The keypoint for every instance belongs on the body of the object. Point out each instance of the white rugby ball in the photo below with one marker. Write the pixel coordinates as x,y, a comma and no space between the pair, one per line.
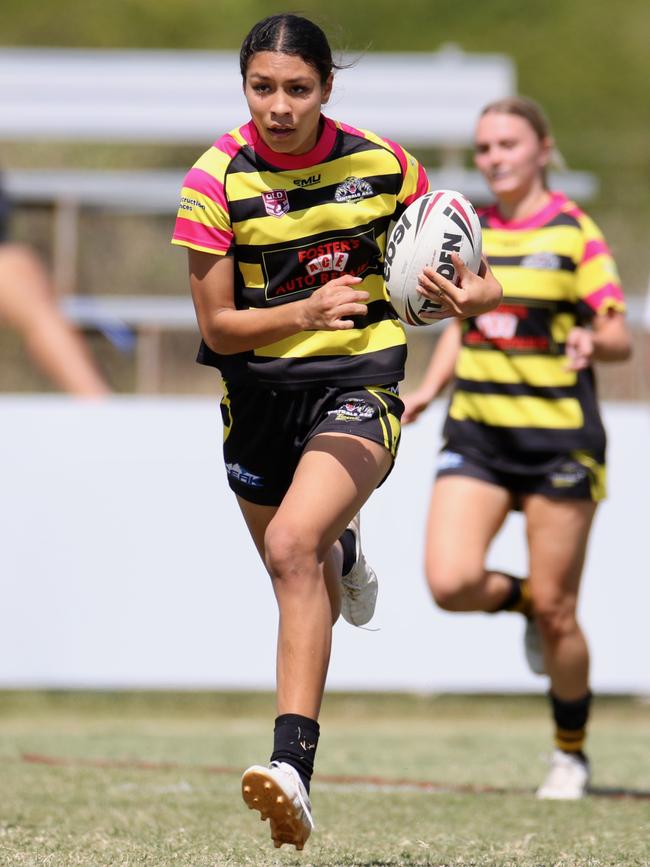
433,227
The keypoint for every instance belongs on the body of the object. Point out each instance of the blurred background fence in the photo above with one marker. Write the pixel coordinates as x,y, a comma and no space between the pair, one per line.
96,133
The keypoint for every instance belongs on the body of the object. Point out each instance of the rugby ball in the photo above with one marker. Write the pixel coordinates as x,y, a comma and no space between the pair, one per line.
433,227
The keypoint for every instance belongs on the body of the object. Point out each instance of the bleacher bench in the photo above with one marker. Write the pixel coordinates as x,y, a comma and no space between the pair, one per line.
422,100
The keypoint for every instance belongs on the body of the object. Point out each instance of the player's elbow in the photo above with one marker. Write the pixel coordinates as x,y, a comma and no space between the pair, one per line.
627,347
619,349
216,334
613,340
220,345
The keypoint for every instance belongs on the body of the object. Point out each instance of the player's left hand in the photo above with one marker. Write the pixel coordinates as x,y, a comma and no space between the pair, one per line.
475,293
579,348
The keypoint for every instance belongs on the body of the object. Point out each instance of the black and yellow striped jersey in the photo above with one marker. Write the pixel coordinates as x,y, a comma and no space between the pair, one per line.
292,223
513,392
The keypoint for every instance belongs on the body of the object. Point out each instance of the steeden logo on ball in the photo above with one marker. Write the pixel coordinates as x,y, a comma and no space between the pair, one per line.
433,227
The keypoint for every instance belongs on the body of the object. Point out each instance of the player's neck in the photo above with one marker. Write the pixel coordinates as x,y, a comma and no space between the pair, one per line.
520,208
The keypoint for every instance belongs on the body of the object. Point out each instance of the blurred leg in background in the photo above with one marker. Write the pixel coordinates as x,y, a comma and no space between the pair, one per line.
28,305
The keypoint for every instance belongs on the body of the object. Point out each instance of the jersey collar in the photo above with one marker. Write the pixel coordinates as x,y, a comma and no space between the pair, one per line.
550,210
317,154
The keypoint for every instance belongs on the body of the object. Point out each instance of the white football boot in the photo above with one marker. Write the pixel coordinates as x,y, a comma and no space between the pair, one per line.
359,586
567,779
279,795
533,647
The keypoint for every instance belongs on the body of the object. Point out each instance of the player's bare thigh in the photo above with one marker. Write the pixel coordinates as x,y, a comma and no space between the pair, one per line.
334,478
464,516
558,533
257,519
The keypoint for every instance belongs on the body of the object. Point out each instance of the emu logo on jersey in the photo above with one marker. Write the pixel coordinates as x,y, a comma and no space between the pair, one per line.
276,202
307,182
353,190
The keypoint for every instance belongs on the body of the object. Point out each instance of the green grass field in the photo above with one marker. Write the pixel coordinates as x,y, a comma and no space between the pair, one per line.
153,778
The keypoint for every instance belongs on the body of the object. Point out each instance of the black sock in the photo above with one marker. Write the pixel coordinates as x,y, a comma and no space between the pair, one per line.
348,544
571,723
518,597
295,739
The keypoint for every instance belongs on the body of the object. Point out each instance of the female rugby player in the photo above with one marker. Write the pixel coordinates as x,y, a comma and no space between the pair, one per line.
523,430
285,219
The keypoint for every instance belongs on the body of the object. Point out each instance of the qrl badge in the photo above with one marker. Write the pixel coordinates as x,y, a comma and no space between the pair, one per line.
276,202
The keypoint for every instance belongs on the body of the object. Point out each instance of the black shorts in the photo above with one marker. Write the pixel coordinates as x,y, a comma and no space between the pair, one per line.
574,476
266,430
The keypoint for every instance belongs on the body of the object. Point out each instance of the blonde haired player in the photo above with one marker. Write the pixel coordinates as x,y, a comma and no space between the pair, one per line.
523,430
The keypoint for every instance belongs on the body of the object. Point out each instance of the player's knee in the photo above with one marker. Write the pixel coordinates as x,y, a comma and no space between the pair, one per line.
556,616
450,586
285,553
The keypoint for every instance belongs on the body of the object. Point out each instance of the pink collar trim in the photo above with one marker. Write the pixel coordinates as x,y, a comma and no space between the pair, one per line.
317,154
496,221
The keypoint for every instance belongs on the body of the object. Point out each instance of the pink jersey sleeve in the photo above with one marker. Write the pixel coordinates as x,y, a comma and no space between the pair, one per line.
203,219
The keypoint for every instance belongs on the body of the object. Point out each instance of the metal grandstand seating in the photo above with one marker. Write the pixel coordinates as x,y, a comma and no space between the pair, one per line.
423,100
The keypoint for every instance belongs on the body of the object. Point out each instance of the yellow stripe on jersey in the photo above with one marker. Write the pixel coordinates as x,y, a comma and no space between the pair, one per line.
352,341
562,240
194,246
595,273
561,324
306,222
214,162
517,411
495,366
252,274
204,210
242,185
537,286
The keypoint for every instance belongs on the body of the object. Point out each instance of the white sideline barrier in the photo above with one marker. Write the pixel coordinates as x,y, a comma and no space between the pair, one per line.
125,563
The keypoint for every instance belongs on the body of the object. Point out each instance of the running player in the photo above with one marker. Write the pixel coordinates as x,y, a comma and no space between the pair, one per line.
285,219
523,430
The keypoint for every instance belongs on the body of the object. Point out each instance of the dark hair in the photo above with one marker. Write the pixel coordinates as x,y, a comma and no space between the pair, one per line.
289,34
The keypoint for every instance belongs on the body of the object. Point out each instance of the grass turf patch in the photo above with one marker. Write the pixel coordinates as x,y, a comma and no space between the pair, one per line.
180,809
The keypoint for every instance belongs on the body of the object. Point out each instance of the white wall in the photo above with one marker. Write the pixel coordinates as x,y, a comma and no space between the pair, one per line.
124,562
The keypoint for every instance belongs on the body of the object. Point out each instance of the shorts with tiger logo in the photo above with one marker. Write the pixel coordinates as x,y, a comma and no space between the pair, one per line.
266,430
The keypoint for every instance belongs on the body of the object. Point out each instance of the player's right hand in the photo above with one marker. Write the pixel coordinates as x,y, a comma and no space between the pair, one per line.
332,306
414,404
475,293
